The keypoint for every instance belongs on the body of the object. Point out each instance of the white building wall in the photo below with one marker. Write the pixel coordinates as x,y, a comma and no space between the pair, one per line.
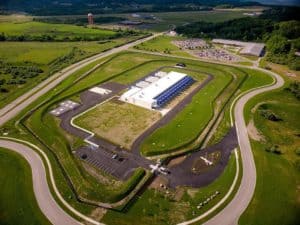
144,97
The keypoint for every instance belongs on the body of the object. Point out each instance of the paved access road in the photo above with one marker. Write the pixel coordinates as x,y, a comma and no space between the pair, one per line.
232,212
55,214
12,109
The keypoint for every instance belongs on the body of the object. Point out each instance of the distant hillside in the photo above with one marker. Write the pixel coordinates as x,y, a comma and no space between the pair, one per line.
279,2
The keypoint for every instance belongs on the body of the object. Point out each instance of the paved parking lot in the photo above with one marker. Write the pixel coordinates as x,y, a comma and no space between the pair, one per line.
120,167
64,107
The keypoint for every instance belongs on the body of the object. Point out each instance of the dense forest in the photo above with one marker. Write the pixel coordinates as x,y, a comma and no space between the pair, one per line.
72,7
278,27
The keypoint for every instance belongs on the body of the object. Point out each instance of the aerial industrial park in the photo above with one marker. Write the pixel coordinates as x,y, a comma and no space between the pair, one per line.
130,113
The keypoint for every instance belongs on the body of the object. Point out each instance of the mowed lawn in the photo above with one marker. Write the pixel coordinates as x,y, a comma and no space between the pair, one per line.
18,205
163,44
118,122
59,30
277,195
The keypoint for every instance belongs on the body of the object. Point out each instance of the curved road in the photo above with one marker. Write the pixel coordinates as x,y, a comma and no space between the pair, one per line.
232,212
46,202
228,216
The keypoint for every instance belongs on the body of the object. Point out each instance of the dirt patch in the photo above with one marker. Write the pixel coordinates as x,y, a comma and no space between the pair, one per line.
176,161
178,194
192,192
98,213
158,183
205,162
254,133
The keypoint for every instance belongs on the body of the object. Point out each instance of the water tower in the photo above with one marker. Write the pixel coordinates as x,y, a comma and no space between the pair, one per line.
90,19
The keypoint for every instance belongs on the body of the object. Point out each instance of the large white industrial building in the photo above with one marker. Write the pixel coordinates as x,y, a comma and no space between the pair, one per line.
155,91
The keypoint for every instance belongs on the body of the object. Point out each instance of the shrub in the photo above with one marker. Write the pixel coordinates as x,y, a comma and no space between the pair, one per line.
297,164
297,151
268,114
274,149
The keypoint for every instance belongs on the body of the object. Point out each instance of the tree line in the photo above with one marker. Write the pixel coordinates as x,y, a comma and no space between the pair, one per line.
63,38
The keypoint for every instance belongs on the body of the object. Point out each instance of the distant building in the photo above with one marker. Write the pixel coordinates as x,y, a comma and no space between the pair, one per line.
135,15
172,33
90,19
248,48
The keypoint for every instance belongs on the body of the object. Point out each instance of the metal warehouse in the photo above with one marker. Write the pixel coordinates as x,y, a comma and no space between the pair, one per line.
159,92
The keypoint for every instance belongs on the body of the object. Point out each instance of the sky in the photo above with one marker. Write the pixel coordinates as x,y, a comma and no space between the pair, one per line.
279,2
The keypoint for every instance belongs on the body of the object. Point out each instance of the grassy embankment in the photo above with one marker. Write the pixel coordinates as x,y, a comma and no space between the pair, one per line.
18,205
254,79
277,190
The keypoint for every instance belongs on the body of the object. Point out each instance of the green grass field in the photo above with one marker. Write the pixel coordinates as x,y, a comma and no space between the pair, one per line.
277,190
47,56
18,205
60,31
163,44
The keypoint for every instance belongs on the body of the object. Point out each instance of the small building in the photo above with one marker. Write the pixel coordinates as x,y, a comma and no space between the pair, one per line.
172,33
100,91
90,19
